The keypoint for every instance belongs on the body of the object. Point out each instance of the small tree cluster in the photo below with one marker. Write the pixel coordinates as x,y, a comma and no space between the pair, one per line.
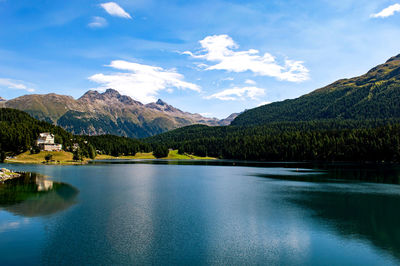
160,151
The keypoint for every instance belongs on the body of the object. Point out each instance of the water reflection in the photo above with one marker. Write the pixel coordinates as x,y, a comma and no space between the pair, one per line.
357,210
371,172
33,195
356,214
338,173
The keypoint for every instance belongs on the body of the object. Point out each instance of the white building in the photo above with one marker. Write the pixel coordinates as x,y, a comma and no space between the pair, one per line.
46,142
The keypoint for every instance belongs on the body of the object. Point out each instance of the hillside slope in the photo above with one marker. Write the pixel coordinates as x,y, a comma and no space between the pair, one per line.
374,95
19,131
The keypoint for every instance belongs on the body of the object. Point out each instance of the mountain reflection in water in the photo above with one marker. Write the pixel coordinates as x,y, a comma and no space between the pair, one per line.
356,214
340,173
356,203
33,195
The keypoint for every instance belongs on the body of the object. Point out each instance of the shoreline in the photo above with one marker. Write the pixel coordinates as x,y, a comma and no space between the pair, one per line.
6,174
66,158
191,158
47,163
86,162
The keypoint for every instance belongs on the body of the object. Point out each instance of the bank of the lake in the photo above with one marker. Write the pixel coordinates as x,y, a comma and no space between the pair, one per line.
172,155
57,157
66,158
6,174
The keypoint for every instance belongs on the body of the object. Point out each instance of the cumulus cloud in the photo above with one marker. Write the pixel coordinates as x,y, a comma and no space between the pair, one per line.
237,93
114,9
141,82
221,50
14,84
98,22
387,12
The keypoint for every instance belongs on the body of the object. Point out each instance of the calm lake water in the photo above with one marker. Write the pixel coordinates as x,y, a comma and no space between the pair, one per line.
222,214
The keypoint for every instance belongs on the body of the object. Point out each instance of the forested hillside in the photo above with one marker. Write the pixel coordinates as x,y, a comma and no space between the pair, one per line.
116,146
351,140
375,95
322,140
19,132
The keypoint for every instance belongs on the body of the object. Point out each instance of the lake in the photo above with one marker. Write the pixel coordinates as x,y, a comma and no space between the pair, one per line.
202,213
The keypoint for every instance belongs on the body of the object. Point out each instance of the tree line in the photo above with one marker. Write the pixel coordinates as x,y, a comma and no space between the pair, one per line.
328,140
377,140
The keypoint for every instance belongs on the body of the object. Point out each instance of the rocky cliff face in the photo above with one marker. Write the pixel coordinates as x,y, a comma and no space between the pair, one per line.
107,113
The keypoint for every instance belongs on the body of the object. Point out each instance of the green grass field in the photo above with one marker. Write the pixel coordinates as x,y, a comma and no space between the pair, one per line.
59,157
139,155
173,155
63,157
176,156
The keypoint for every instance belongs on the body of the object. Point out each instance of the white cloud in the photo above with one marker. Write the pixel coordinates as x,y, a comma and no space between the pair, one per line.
142,82
114,9
387,12
250,82
98,22
237,93
14,84
220,49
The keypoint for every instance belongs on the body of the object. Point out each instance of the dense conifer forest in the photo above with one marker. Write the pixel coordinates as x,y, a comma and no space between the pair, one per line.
116,146
347,140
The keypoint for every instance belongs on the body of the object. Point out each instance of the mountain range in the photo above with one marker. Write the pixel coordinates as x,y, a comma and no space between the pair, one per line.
109,112
374,95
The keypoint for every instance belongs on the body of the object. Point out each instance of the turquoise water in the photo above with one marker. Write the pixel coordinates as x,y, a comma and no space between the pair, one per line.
168,213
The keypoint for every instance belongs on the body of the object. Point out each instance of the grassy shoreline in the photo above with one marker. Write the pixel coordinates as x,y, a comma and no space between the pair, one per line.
6,174
65,158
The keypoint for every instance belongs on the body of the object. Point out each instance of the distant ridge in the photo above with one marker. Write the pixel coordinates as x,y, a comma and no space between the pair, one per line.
374,95
96,113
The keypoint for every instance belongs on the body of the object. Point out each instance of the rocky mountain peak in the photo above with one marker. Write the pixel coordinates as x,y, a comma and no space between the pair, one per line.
112,93
162,106
91,94
109,95
2,99
161,102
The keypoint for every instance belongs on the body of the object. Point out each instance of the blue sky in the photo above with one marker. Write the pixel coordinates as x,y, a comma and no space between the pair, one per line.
210,57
